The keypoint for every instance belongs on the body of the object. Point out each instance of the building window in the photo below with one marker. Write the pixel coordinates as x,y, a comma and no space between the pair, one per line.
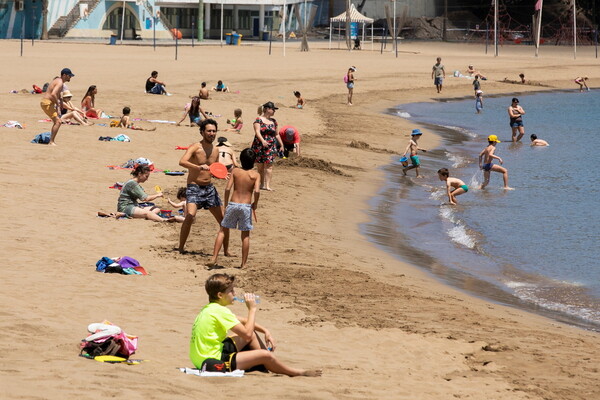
113,20
180,17
215,18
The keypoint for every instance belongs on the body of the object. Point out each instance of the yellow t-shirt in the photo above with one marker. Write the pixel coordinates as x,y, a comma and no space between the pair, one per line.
209,330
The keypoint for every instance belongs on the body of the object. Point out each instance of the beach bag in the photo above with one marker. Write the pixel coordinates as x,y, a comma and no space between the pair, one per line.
346,78
114,123
110,347
37,89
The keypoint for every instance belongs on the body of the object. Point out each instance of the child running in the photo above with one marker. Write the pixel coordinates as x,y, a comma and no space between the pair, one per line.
454,186
413,148
487,156
212,350
238,212
236,123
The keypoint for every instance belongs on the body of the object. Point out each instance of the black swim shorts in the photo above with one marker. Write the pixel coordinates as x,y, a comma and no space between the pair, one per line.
203,196
227,363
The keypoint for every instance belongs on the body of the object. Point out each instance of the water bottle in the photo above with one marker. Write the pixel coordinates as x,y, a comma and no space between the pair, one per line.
241,299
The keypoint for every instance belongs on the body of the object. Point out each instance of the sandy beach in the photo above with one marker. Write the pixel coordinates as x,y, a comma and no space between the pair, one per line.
377,326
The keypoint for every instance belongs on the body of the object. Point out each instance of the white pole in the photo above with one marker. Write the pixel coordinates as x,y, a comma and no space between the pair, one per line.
574,31
284,21
221,23
539,28
495,28
123,22
394,38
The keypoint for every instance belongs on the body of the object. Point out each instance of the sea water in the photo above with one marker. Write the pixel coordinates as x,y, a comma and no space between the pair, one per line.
535,246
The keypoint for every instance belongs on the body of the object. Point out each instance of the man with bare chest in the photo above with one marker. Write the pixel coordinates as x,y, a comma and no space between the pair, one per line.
51,100
200,191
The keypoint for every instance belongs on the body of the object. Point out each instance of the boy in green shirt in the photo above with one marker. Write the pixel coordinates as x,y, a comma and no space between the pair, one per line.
210,347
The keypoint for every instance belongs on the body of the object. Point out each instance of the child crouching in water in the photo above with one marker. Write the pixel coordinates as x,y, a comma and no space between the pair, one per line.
238,212
454,186
212,350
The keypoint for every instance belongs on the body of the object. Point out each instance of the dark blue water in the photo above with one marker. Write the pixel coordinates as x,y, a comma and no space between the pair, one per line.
537,243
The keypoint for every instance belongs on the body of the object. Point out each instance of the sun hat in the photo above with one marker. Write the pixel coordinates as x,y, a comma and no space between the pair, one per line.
66,93
222,140
416,132
66,71
269,104
352,68
493,138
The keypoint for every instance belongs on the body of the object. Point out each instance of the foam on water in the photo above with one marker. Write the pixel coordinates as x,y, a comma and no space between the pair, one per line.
403,114
457,161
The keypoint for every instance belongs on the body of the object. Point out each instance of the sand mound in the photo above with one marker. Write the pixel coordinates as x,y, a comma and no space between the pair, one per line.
313,163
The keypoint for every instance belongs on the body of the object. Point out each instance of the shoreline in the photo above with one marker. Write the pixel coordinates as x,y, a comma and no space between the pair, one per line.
465,281
377,326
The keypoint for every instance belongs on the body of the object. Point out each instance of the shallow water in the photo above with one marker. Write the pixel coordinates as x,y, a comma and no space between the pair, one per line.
535,246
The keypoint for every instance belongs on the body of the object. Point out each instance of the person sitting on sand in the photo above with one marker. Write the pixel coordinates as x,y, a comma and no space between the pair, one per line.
212,350
581,81
236,123
472,72
454,186
221,87
203,93
131,192
537,142
238,212
194,110
125,122
70,112
88,103
154,86
300,102
181,205
522,77
226,154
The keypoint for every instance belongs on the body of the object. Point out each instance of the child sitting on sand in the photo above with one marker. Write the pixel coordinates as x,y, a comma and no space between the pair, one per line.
454,186
537,142
236,123
300,102
125,122
181,205
238,212
212,350
220,87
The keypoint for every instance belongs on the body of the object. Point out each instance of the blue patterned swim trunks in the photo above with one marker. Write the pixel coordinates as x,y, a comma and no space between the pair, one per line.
203,196
238,216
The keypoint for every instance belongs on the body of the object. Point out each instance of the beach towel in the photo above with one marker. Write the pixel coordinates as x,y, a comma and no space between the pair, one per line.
238,373
121,138
13,124
42,138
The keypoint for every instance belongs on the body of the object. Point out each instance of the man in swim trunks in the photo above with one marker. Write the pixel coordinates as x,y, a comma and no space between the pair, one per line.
454,186
438,74
200,192
413,148
50,101
515,111
487,156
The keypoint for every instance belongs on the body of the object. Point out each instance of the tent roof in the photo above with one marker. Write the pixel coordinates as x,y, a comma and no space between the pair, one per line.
355,16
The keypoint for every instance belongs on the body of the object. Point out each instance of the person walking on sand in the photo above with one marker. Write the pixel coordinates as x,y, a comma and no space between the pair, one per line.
581,81
200,191
266,142
454,186
349,79
50,101
438,74
238,212
486,158
515,112
212,350
412,149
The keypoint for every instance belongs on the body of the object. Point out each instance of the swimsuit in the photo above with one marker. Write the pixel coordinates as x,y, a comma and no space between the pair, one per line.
478,105
49,108
238,216
266,155
465,188
203,196
415,160
516,121
487,167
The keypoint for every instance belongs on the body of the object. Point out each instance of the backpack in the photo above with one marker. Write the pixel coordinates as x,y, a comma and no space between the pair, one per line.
37,89
110,347
346,78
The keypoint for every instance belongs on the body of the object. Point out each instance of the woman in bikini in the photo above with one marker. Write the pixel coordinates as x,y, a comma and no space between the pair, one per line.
88,103
69,111
265,144
226,154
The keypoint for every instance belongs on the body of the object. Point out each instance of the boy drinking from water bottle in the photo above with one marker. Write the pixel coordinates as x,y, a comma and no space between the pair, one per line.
238,212
211,349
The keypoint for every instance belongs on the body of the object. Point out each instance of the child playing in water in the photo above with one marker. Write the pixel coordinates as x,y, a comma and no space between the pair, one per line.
212,350
413,148
485,163
454,186
478,101
581,81
238,212
236,123
300,101
537,142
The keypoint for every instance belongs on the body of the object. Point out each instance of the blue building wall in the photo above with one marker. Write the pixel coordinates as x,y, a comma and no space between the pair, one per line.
27,22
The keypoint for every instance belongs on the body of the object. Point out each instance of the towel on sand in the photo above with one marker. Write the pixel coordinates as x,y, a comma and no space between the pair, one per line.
238,373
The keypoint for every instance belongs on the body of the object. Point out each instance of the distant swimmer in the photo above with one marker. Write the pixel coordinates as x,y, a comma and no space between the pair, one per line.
515,112
581,81
537,142
454,186
486,157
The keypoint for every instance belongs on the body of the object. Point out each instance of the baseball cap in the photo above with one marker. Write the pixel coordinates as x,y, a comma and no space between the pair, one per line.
66,71
269,104
493,138
416,132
